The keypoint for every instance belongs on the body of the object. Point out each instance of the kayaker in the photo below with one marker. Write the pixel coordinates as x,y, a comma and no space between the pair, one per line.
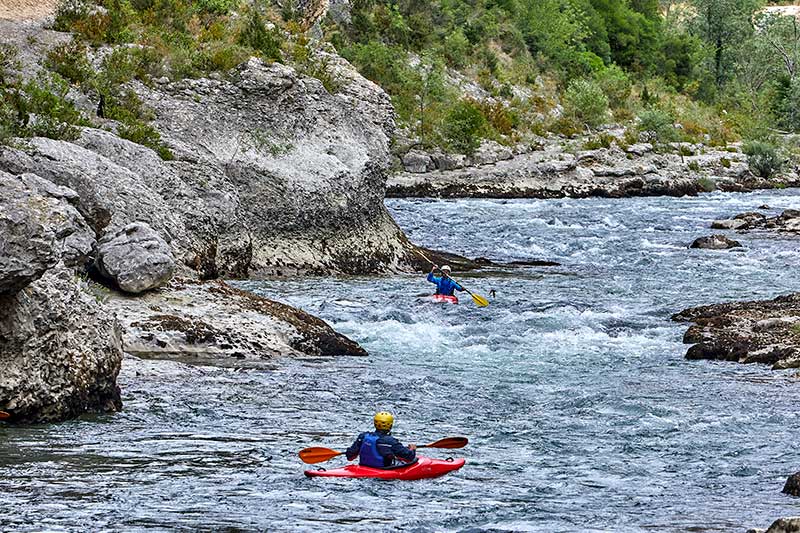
379,449
444,283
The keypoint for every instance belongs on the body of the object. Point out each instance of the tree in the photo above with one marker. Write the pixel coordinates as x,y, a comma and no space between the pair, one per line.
724,25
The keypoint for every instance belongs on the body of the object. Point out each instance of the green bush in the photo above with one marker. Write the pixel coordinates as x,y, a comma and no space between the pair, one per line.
256,36
464,125
615,85
145,134
659,124
457,49
763,158
603,140
585,101
216,7
49,112
69,60
707,184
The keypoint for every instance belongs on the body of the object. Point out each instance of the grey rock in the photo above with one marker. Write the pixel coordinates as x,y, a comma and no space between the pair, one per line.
715,242
443,161
785,525
110,196
60,351
746,332
135,258
417,162
728,224
215,323
38,228
490,152
639,149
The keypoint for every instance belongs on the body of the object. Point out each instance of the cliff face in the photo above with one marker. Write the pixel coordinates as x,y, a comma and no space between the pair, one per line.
272,174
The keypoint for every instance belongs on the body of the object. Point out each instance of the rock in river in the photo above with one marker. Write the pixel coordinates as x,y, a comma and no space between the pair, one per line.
60,351
215,323
781,525
715,242
135,258
748,332
792,486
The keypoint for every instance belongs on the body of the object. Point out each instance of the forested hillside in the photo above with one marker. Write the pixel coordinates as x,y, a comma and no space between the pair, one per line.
719,69
458,71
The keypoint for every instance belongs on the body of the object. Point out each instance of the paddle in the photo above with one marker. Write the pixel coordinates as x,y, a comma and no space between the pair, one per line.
479,300
318,455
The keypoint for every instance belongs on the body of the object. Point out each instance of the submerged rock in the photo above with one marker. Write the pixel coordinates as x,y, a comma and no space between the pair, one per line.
715,242
135,258
60,351
216,323
766,332
792,486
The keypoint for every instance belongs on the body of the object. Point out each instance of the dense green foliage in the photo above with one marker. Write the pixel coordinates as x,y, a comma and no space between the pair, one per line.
460,71
37,108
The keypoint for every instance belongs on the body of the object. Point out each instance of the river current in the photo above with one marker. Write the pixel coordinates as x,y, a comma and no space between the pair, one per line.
581,411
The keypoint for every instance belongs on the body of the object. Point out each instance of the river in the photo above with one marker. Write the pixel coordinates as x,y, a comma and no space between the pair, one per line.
582,413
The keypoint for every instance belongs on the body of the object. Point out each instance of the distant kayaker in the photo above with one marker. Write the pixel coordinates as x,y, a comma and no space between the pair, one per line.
444,283
378,448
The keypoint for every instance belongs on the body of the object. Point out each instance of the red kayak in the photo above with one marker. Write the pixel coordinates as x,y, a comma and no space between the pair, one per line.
444,299
423,468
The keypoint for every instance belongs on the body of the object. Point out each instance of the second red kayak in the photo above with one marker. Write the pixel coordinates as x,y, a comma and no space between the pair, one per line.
444,299
424,468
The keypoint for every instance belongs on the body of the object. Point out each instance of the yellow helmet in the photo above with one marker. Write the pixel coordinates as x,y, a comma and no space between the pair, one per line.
383,421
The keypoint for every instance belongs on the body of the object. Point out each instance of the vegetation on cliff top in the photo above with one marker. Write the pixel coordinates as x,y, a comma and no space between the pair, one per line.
458,71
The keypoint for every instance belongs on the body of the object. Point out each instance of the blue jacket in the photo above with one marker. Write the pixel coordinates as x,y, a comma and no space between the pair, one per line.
444,285
388,447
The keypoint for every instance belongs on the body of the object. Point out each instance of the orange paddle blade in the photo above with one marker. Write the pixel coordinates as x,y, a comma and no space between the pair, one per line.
449,442
317,455
4,415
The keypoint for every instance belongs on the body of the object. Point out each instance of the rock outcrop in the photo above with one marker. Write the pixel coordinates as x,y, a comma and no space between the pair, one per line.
788,222
215,323
766,332
135,259
715,242
272,174
559,170
792,486
781,525
38,228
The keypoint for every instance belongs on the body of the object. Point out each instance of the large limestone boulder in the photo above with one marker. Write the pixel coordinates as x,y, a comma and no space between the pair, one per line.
38,228
135,258
60,351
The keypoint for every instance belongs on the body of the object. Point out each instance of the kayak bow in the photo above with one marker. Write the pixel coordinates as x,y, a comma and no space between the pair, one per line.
423,468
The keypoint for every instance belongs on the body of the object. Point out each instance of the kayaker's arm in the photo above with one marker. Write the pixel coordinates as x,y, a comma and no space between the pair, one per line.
355,448
401,452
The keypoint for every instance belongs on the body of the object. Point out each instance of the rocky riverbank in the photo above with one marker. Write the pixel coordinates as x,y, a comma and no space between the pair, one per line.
269,174
560,168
